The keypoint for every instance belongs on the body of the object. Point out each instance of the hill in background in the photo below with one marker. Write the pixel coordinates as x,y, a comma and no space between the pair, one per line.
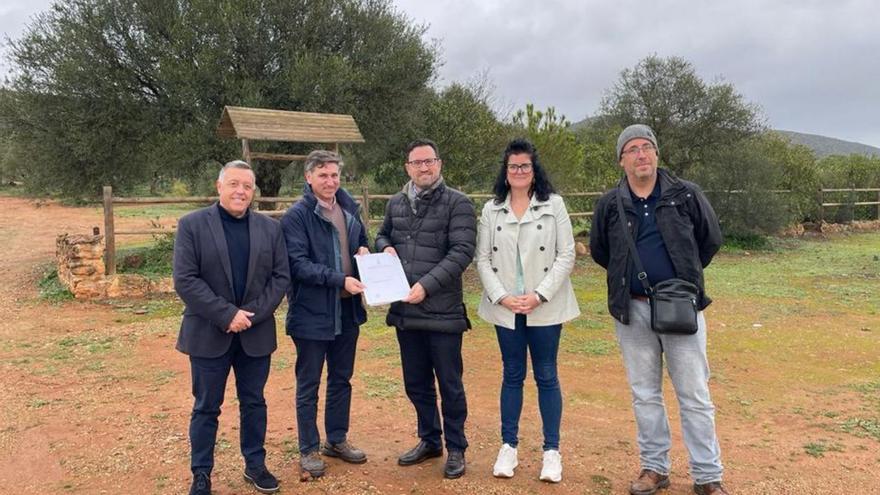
822,146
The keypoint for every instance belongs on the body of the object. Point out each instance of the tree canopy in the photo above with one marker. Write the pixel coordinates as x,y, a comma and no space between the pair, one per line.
691,118
121,92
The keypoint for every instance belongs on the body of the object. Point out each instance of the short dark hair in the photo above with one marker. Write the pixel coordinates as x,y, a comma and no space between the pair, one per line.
419,143
319,158
541,188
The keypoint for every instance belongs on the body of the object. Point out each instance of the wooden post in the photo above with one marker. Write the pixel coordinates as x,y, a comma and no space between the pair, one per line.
365,209
878,205
852,203
109,233
246,152
821,197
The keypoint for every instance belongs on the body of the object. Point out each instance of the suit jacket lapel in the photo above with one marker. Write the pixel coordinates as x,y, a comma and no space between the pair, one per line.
216,226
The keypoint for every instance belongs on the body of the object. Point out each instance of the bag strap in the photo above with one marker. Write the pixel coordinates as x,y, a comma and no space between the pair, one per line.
642,275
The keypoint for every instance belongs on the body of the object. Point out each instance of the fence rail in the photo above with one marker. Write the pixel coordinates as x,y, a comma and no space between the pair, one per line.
364,199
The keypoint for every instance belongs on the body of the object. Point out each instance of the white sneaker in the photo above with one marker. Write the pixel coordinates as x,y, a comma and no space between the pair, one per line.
552,470
506,462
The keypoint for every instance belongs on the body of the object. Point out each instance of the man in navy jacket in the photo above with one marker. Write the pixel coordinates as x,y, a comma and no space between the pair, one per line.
323,233
231,271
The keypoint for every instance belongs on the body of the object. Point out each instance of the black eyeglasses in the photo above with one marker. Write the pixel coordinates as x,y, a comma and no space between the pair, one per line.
427,162
522,168
645,148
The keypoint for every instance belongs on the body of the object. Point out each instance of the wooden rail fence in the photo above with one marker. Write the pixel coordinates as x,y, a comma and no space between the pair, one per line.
364,199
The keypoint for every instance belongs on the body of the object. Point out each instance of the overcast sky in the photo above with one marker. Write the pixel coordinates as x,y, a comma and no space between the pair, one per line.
812,65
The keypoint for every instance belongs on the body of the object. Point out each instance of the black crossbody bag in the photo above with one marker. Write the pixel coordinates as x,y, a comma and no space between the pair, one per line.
673,301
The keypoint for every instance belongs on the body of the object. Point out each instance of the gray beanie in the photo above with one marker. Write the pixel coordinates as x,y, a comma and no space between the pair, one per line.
632,132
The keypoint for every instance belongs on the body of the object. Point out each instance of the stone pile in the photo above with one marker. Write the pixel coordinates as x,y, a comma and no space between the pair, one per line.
81,264
80,261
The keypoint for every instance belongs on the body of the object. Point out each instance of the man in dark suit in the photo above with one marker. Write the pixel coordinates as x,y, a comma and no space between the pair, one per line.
231,271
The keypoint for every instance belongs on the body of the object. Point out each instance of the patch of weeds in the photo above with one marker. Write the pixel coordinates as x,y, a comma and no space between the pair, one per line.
603,484
99,345
747,242
281,363
831,414
815,449
818,449
159,416
153,260
862,427
164,376
93,366
51,288
379,386
223,444
382,351
161,481
38,403
289,448
591,347
867,388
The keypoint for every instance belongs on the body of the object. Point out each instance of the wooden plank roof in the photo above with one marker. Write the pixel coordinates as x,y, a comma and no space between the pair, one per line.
284,125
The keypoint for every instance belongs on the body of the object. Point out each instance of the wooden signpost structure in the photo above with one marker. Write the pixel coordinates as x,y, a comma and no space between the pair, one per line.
262,124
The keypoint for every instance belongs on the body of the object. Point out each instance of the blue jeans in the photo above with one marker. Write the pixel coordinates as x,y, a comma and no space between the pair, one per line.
643,351
543,345
208,387
339,354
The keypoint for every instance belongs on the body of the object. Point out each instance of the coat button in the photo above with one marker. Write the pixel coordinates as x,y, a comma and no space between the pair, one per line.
534,208
494,269
409,237
542,248
545,268
494,248
539,227
498,228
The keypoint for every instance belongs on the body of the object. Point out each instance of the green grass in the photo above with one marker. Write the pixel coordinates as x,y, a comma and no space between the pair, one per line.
862,427
843,272
51,289
151,260
154,211
818,449
380,386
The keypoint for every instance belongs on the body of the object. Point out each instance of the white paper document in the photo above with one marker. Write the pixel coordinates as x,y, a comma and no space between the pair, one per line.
383,277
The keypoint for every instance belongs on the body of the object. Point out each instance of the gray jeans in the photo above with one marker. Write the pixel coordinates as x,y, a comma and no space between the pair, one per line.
643,352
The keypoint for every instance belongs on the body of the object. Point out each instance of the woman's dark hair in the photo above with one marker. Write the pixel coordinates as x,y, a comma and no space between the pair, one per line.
541,187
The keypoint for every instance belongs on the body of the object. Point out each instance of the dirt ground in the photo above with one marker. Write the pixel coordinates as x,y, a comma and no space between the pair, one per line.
95,399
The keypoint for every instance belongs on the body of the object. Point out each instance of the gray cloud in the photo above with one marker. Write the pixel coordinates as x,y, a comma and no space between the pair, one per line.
810,64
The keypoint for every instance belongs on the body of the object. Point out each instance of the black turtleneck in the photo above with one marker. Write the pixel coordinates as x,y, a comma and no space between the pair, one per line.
238,242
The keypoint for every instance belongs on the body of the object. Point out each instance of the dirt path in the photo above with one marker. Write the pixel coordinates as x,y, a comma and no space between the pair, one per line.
96,400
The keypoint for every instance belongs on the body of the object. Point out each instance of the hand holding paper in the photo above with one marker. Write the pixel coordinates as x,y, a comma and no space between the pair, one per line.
383,278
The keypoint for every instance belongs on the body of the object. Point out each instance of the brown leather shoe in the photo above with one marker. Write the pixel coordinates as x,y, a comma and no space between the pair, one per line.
711,488
648,483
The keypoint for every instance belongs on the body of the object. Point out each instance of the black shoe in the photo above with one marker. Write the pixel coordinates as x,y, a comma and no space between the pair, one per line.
262,479
201,484
345,451
420,453
454,464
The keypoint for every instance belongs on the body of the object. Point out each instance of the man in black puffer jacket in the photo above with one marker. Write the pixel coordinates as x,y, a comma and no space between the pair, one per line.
432,229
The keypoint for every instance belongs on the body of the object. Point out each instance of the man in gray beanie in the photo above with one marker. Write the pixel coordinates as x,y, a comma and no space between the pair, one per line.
676,234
